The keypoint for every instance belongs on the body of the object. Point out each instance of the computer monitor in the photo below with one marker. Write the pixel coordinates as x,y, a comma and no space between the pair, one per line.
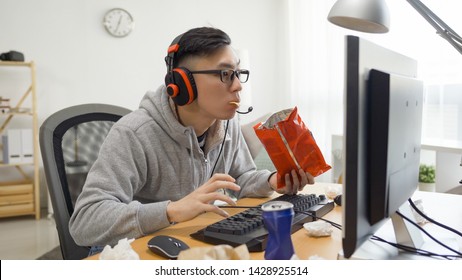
383,116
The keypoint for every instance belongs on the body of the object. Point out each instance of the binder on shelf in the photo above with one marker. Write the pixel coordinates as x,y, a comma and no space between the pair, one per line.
5,149
27,146
14,146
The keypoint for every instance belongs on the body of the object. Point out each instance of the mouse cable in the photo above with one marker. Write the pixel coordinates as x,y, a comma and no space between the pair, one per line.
432,220
428,234
237,206
334,224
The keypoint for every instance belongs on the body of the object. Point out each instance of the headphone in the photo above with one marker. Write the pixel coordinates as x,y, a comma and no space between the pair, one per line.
179,81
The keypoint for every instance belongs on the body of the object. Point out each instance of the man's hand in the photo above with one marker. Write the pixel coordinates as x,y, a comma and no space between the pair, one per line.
299,180
199,201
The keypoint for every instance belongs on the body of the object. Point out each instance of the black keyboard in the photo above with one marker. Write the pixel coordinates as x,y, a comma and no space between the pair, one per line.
247,227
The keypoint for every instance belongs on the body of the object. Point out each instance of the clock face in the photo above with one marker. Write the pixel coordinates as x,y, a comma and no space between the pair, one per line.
118,22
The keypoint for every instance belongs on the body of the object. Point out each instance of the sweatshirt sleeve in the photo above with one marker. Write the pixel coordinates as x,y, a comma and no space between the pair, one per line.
106,211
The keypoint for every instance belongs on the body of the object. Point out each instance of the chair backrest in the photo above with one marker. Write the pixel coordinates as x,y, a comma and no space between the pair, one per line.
70,140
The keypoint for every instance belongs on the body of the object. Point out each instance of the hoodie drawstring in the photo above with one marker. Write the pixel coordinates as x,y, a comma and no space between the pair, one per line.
191,162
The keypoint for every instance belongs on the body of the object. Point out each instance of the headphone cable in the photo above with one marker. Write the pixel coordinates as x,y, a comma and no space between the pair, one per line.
221,150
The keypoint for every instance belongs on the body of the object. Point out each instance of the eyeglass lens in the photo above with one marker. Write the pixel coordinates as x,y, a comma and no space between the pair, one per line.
228,75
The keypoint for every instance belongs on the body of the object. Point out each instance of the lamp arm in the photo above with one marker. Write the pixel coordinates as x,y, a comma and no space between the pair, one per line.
441,27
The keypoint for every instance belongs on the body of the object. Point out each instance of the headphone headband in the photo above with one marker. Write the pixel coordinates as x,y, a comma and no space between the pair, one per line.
171,51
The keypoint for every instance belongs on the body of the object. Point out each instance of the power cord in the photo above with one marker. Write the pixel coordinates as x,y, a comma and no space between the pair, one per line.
428,234
405,248
413,250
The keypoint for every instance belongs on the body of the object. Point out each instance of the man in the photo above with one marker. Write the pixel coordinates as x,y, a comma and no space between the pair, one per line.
168,161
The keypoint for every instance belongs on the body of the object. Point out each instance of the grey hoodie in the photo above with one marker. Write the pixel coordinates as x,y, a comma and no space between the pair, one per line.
149,159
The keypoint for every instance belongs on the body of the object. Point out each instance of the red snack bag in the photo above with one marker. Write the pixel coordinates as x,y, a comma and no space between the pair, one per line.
290,145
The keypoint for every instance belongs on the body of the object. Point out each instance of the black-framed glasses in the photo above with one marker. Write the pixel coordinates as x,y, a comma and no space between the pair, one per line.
227,75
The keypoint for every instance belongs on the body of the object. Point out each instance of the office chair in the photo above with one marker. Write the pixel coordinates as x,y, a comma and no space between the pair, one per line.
70,140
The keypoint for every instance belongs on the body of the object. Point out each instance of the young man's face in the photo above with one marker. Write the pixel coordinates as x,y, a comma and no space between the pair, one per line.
215,98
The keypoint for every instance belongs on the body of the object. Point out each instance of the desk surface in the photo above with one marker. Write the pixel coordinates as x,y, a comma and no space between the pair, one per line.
435,204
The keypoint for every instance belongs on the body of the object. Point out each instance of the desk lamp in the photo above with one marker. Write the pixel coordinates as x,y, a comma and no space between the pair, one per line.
370,16
373,16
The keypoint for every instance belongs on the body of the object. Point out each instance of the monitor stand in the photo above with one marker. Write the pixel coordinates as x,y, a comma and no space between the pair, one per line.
406,234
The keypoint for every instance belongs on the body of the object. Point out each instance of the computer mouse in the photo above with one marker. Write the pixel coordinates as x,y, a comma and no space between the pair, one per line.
338,200
166,246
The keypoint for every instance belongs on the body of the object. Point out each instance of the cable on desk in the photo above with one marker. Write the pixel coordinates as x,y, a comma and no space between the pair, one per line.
406,248
238,206
334,224
428,234
431,220
413,250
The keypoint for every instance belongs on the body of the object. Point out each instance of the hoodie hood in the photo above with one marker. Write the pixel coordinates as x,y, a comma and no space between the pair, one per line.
161,108
157,105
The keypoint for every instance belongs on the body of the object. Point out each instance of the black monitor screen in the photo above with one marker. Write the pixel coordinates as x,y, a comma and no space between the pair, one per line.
383,115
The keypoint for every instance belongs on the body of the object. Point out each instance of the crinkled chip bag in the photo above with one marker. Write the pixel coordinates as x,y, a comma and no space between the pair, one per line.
290,145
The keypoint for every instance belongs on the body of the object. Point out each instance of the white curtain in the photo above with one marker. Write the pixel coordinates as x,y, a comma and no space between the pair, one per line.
316,64
316,71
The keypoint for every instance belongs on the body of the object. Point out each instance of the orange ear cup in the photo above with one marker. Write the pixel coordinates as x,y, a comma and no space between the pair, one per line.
183,90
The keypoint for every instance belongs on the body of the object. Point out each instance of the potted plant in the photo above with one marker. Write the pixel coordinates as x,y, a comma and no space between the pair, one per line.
427,178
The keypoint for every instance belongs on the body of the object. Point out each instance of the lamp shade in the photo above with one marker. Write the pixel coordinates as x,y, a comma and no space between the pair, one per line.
370,16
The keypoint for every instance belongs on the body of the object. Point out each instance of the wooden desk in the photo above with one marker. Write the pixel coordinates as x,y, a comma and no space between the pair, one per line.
325,247
445,208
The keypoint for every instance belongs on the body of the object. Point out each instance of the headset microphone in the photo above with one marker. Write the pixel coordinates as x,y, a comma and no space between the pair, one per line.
250,109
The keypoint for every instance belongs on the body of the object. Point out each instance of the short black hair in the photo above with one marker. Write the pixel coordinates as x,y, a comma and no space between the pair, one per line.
201,41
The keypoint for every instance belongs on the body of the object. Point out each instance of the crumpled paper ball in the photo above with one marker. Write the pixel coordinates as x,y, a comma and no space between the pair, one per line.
332,191
122,251
318,228
315,257
294,257
418,218
219,252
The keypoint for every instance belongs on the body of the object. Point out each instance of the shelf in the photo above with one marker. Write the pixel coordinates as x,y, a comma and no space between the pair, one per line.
21,197
15,164
8,114
17,63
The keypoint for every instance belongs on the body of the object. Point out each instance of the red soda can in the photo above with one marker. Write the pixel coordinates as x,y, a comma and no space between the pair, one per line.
277,217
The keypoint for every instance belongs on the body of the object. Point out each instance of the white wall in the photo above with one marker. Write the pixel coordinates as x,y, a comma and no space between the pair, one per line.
79,62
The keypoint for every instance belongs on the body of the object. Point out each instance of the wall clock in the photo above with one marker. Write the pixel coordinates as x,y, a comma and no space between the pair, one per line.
118,22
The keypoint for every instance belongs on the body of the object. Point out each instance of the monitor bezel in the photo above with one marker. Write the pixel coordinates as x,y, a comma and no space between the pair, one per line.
361,57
